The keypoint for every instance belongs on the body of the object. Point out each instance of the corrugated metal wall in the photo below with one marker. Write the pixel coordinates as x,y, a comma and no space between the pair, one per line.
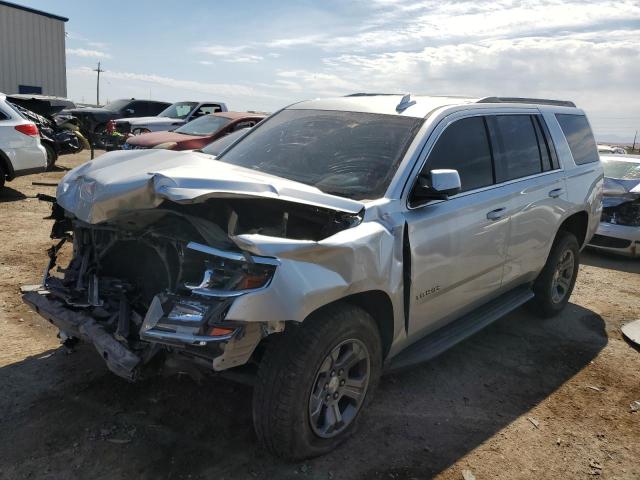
31,52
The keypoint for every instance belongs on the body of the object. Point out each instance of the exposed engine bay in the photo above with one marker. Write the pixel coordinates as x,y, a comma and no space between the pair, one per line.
157,282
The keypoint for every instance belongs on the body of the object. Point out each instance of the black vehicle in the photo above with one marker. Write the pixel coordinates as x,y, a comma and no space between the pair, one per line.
93,120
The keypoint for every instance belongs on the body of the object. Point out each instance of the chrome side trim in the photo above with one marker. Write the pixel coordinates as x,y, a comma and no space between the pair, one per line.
217,293
238,257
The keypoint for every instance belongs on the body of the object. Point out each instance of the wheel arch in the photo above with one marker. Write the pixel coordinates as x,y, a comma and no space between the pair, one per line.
577,224
376,303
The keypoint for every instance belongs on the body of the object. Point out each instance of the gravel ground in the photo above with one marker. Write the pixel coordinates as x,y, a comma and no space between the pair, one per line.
525,398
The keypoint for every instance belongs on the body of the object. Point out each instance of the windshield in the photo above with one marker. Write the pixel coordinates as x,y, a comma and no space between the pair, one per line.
215,148
203,126
178,110
351,154
621,169
116,105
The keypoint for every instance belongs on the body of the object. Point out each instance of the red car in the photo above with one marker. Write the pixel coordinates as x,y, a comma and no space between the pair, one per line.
195,134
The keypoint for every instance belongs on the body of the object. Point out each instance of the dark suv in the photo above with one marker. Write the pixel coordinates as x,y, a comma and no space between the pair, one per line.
93,120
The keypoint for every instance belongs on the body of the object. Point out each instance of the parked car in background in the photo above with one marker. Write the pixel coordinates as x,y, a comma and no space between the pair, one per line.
338,238
46,105
608,150
20,149
619,230
170,118
197,133
216,147
93,120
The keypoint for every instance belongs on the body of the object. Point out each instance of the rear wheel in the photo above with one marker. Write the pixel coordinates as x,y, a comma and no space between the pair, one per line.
3,176
314,380
555,283
52,156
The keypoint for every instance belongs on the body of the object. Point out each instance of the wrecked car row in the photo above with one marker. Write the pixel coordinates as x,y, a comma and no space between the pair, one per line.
335,240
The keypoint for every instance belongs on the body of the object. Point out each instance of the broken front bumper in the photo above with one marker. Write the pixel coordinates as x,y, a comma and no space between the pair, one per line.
119,359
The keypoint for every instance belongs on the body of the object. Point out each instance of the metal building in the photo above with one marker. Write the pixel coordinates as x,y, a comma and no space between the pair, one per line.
32,51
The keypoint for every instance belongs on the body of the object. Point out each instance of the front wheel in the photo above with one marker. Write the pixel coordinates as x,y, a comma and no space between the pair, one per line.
555,283
314,380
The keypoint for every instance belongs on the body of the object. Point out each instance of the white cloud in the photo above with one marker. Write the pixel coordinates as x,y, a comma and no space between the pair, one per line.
245,58
98,45
221,50
82,52
232,54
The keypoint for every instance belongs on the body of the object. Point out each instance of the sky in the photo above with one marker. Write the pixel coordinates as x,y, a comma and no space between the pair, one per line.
263,55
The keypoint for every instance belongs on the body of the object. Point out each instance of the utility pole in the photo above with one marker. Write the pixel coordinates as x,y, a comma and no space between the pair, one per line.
99,70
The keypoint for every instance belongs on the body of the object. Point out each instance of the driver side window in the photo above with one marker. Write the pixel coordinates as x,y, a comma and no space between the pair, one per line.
464,146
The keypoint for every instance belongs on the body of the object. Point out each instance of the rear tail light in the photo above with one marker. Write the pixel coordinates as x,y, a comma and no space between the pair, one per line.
28,129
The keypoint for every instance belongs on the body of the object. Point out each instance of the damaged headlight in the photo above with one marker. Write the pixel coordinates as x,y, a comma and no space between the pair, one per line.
228,274
195,313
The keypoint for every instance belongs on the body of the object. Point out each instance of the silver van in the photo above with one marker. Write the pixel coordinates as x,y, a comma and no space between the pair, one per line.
337,240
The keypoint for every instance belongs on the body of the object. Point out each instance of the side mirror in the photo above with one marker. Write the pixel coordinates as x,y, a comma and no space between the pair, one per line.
437,185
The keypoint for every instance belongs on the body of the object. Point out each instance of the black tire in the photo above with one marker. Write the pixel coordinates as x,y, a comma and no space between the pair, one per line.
551,297
289,372
3,176
52,156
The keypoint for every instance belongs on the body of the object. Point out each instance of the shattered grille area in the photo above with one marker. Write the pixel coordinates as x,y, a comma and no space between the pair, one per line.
627,213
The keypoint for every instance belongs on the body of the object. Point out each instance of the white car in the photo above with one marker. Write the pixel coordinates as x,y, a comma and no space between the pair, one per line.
20,149
608,150
171,117
619,230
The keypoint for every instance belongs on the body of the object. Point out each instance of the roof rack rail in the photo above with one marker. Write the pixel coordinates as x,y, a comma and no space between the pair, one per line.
365,94
538,101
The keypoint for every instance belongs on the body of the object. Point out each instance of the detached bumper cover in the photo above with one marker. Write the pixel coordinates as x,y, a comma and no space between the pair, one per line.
120,360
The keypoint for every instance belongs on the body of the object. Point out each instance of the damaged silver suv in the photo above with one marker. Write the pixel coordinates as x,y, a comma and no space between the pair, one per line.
337,240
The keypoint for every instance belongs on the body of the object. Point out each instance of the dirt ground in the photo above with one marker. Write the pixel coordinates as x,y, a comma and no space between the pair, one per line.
525,398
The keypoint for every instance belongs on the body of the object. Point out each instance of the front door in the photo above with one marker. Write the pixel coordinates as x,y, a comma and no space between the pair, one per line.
458,246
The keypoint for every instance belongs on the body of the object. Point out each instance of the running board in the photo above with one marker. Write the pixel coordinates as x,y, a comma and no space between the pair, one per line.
446,337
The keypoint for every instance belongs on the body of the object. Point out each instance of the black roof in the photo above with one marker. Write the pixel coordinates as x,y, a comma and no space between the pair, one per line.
33,10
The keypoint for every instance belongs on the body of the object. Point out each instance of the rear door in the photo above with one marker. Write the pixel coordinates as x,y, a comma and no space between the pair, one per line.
527,168
457,246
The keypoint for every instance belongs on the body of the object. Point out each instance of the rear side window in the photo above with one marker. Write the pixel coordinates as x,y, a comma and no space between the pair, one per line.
580,138
209,108
515,146
153,108
3,116
464,146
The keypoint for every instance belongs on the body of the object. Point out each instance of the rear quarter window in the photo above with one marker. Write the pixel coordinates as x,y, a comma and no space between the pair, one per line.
516,147
578,133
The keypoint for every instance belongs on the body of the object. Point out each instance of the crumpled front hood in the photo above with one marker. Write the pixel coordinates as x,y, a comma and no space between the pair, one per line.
123,181
618,191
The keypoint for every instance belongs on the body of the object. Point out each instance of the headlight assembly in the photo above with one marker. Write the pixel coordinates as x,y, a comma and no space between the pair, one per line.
228,274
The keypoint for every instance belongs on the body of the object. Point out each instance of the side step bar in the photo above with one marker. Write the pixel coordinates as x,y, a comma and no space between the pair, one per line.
446,337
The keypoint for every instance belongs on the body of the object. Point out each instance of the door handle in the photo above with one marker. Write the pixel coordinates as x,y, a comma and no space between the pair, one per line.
556,192
496,214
